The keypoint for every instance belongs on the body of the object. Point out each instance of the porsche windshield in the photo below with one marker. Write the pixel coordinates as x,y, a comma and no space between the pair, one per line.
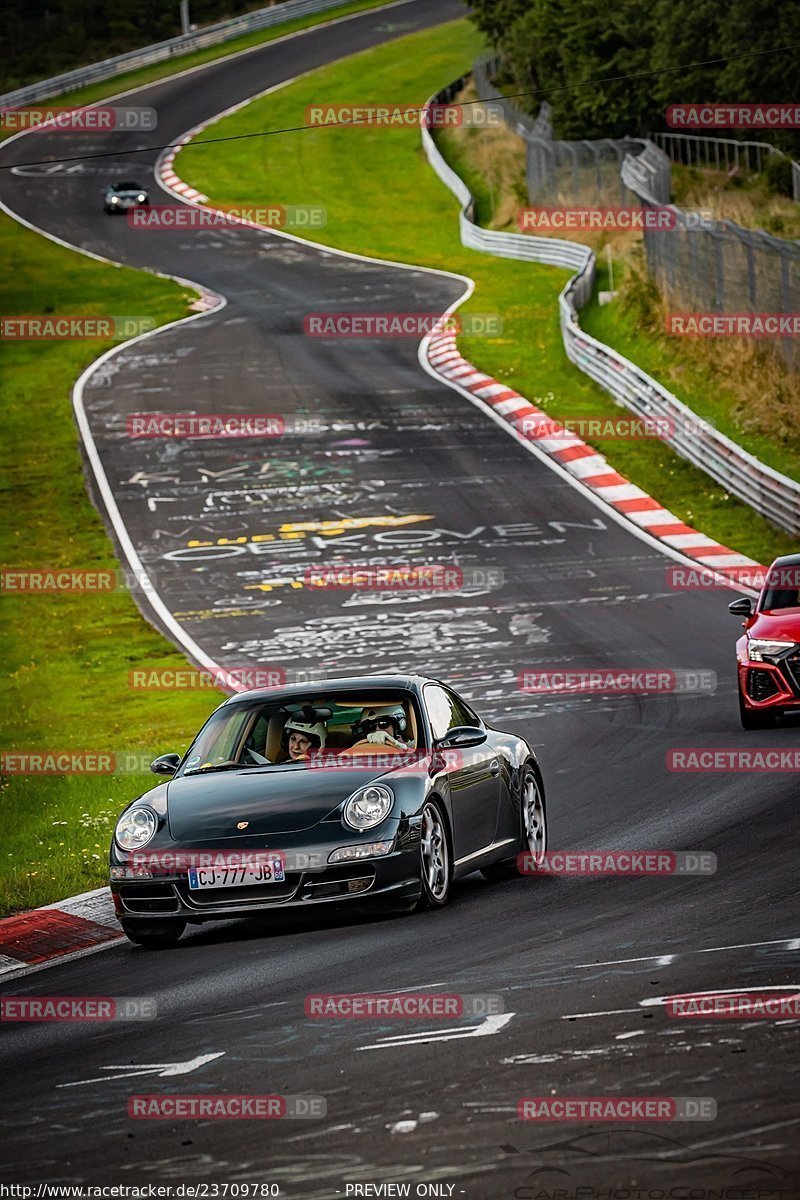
263,733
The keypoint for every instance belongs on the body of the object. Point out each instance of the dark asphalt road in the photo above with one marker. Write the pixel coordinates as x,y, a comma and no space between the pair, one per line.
574,961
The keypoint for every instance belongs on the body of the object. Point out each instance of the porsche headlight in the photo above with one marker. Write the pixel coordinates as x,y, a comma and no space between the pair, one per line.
135,828
764,649
367,807
141,198
115,199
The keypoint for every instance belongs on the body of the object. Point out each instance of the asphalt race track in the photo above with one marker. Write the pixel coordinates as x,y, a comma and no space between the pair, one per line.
405,468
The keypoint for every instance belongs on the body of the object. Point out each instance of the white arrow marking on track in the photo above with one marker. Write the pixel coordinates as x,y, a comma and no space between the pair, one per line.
489,1025
161,1069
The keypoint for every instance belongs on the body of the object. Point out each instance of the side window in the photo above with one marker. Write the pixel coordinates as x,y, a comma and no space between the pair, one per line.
445,710
257,739
465,714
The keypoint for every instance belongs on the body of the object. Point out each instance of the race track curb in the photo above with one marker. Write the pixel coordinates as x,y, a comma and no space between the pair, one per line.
68,928
166,173
582,461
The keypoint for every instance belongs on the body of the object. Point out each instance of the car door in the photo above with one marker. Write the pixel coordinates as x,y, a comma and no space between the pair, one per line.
475,776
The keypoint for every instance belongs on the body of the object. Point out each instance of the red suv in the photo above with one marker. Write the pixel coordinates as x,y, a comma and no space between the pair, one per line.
769,652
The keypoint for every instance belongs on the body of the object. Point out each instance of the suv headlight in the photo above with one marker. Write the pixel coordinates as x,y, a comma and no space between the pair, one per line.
764,649
367,807
135,828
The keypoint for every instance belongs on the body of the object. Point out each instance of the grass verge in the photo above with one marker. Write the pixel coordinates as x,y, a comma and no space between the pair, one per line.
383,199
68,654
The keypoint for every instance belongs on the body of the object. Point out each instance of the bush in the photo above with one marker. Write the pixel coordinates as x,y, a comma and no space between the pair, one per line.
640,297
779,175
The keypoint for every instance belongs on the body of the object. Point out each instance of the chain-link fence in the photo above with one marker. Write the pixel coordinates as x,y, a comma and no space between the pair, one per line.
560,172
702,265
521,122
706,265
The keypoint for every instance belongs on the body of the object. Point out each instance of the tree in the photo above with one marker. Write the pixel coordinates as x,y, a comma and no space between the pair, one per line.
644,55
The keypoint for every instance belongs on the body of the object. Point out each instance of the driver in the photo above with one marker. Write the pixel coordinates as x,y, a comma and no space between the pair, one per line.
301,737
384,725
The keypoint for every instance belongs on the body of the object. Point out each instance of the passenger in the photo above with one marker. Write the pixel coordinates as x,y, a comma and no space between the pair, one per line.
301,737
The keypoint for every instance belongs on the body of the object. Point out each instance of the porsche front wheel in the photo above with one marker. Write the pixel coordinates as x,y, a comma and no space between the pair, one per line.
435,858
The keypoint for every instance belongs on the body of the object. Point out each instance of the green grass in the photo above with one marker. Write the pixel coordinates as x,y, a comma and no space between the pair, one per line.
693,377
746,199
68,655
132,79
383,199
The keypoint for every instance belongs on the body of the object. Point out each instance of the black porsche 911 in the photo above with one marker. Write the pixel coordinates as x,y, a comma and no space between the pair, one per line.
371,790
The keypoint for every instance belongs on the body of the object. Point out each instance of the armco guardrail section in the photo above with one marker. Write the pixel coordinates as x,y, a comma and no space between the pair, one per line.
212,35
775,496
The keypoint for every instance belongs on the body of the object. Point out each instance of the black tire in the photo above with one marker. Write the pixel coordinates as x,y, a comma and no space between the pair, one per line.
436,859
507,868
153,935
755,720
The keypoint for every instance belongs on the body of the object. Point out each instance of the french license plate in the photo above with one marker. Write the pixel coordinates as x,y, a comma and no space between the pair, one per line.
269,871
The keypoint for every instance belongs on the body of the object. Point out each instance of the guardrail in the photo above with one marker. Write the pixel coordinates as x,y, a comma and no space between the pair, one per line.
211,35
770,493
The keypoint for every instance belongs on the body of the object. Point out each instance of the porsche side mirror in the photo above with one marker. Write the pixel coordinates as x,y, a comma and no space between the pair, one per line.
743,607
165,764
462,736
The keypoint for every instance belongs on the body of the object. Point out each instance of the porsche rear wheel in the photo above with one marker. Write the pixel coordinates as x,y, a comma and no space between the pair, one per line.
435,858
533,829
534,817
